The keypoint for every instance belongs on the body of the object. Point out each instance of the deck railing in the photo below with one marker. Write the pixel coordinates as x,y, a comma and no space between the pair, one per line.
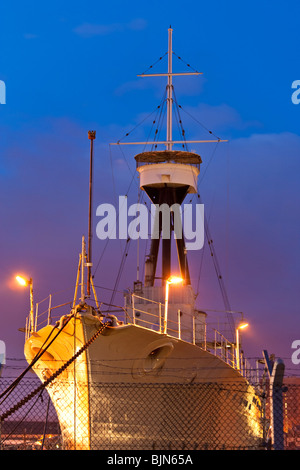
45,314
210,338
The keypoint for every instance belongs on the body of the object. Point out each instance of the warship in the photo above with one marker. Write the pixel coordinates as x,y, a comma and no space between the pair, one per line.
151,377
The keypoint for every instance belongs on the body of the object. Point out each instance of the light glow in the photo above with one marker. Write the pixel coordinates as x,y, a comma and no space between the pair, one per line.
171,280
237,349
22,281
174,280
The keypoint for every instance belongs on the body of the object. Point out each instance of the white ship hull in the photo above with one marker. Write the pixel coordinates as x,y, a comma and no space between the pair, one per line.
139,389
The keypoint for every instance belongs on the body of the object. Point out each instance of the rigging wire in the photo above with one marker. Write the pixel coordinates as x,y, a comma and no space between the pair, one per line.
12,386
179,120
23,418
209,162
218,272
207,232
114,185
158,111
44,384
188,65
160,118
156,62
121,267
117,218
138,124
200,123
200,270
159,127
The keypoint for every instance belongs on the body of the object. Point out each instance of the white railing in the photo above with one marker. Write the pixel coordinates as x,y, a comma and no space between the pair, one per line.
211,339
45,314
153,318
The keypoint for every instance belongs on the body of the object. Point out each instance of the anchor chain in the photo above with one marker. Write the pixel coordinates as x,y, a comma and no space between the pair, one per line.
55,375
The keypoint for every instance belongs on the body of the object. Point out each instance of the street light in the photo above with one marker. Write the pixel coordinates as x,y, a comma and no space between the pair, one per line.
241,326
171,280
28,282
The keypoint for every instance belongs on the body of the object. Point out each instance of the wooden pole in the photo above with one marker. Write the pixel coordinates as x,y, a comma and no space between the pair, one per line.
92,136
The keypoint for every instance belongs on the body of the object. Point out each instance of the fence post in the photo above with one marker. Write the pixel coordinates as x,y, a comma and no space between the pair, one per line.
215,342
133,310
194,333
159,312
276,374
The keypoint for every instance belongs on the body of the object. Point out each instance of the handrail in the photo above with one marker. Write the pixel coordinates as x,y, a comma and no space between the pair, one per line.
211,340
43,318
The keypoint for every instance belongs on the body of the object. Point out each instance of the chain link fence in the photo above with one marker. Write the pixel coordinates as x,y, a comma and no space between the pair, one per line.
144,416
35,425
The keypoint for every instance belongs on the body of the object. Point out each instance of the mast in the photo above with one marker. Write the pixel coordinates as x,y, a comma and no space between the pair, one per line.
92,136
170,92
167,177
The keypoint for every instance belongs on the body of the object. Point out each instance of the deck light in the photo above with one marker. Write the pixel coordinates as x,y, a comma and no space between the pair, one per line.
22,281
241,326
28,282
171,280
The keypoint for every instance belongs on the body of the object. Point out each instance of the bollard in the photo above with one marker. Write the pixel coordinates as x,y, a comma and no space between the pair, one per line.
276,374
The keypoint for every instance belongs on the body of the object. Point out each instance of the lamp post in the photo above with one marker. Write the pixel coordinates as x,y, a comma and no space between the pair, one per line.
28,282
237,348
171,280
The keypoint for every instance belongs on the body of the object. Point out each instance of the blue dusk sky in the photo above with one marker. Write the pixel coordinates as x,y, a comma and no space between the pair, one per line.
69,67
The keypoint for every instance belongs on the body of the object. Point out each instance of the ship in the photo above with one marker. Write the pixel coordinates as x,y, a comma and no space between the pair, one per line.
151,377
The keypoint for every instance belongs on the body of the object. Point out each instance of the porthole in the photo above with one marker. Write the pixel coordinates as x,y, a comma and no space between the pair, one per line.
152,358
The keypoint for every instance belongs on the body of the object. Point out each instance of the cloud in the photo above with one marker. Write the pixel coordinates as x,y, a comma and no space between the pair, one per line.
93,29
133,85
254,222
220,117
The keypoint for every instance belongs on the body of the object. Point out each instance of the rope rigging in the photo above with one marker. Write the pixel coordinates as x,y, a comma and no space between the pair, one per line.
35,359
121,267
156,62
218,273
55,375
178,117
160,119
40,396
200,123
160,111
188,65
